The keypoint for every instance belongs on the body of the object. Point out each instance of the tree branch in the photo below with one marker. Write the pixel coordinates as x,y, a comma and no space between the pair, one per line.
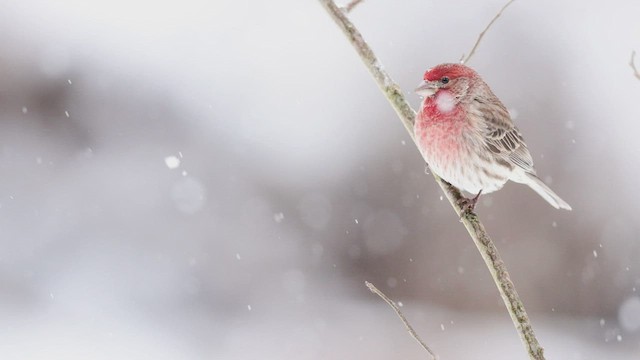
352,5
475,46
401,316
472,223
632,63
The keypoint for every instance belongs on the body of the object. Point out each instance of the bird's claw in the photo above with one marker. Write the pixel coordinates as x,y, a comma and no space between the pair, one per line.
468,205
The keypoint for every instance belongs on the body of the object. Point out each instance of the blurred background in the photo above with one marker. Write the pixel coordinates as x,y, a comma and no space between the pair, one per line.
217,179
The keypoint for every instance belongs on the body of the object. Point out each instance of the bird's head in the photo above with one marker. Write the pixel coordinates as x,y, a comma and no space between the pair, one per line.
456,79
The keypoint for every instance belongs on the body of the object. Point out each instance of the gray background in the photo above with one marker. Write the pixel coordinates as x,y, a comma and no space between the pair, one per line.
296,182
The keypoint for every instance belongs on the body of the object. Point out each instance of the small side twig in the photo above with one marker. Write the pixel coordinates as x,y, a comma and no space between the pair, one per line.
632,63
350,6
463,60
401,316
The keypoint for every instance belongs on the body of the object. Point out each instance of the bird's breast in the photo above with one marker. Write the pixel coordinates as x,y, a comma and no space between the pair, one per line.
439,133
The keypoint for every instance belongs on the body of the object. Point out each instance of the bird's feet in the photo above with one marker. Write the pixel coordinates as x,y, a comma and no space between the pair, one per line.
468,205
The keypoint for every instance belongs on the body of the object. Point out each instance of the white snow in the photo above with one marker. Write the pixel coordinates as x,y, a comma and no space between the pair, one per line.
278,217
172,162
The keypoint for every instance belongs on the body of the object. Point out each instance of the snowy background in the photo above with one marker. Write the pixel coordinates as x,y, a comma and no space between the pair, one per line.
217,179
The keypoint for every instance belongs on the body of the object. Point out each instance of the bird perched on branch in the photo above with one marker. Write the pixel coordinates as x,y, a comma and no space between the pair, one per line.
467,137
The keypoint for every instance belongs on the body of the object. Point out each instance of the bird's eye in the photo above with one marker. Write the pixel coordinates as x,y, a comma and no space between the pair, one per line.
444,80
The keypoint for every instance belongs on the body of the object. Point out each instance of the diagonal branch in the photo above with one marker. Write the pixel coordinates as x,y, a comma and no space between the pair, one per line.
471,222
632,63
402,318
464,60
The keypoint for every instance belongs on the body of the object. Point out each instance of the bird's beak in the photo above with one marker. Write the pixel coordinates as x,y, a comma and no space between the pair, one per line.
426,89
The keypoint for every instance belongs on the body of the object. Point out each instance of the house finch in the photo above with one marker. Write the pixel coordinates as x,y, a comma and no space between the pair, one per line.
468,139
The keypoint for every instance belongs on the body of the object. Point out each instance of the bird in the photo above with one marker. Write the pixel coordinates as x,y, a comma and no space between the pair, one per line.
467,137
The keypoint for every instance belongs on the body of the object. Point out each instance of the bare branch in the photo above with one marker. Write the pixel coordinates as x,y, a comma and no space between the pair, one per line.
475,46
632,63
471,222
347,8
401,316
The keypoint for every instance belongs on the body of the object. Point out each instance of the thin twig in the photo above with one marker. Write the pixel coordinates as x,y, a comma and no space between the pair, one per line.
401,316
347,8
471,222
632,63
475,46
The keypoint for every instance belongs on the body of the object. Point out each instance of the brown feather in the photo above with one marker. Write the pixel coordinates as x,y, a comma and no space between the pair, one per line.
501,137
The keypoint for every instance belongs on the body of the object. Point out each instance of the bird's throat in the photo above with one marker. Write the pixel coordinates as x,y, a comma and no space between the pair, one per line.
442,106
445,102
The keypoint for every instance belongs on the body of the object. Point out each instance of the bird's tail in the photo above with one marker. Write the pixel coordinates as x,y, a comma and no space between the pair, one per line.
543,190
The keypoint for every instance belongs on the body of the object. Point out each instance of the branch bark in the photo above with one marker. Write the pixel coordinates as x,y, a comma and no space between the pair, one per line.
404,320
632,63
471,222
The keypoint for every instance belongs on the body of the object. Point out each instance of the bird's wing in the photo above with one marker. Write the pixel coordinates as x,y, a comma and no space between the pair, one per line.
501,137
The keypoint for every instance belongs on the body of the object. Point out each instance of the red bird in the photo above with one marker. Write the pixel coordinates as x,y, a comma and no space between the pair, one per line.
466,136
